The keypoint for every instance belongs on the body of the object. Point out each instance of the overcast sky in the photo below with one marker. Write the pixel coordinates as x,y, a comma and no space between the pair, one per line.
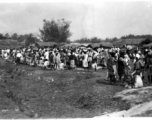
104,19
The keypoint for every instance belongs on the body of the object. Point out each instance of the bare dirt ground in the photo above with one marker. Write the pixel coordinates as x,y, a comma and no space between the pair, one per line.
140,101
28,92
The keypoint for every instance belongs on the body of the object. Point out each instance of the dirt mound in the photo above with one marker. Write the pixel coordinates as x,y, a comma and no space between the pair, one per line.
140,101
135,96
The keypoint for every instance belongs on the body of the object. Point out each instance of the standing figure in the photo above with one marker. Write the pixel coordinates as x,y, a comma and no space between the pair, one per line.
121,66
111,65
149,67
72,59
85,61
57,61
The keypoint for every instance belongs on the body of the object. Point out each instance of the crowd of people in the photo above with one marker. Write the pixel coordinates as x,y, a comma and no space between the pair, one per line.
123,64
57,58
132,67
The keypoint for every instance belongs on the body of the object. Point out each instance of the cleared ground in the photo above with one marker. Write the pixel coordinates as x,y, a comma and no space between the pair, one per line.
140,101
28,92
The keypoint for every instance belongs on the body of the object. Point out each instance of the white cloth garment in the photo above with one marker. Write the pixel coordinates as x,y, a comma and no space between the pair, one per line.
19,55
138,81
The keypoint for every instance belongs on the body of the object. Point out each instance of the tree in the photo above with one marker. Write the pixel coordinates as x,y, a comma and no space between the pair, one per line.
83,40
56,31
107,39
95,40
7,36
2,36
30,39
14,36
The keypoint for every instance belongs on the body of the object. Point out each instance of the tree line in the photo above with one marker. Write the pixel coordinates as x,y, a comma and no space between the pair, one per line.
97,40
26,38
59,31
52,31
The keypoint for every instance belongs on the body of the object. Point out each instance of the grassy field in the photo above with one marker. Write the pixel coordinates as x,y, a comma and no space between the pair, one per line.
28,92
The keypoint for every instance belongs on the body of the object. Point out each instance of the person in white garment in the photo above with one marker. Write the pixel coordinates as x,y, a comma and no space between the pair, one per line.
85,61
138,81
18,57
46,64
62,65
94,65
46,54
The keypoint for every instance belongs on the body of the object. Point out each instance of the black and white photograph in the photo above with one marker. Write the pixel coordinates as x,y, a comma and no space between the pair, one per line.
75,59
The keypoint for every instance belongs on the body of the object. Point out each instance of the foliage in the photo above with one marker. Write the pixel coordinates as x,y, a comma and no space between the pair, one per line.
30,39
87,40
114,39
58,31
136,36
55,31
2,36
14,36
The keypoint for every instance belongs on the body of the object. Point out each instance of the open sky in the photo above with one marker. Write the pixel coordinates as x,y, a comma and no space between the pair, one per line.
88,19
